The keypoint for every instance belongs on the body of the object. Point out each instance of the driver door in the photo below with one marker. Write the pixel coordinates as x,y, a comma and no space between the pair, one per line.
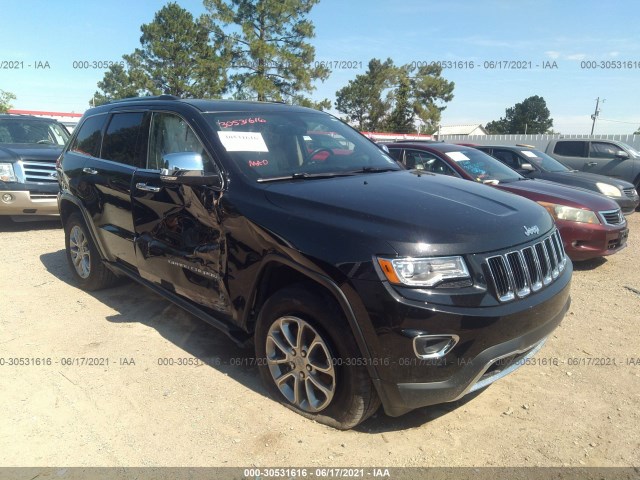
178,238
604,159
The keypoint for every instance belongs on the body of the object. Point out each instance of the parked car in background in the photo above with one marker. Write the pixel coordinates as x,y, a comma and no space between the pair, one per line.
533,163
29,148
604,157
591,225
357,281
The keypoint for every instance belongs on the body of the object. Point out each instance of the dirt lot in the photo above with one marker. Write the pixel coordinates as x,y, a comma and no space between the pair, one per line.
578,409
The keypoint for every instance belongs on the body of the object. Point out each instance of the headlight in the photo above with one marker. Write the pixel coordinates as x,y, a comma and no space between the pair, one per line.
570,214
423,272
609,190
6,173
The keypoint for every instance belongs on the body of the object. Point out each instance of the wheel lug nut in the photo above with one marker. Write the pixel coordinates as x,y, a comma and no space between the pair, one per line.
293,352
302,375
308,368
303,353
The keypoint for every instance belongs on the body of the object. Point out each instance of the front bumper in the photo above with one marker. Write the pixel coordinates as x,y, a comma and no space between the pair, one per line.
583,241
493,341
627,204
25,202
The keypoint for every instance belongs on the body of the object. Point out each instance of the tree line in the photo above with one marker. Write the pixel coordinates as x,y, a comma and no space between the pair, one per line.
260,50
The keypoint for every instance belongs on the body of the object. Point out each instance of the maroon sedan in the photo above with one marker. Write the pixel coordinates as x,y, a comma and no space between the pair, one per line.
591,225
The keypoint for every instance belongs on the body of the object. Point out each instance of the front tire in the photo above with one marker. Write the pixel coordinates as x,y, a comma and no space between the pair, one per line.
308,359
82,255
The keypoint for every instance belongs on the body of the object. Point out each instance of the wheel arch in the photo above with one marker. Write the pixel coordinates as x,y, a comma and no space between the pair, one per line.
69,205
278,272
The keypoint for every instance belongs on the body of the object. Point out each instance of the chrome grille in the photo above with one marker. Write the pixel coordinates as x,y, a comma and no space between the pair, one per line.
42,196
520,272
630,192
612,217
35,171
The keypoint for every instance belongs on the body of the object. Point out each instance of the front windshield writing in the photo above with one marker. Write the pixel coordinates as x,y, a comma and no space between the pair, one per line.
267,145
482,167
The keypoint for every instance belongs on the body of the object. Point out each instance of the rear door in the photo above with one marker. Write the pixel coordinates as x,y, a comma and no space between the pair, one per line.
178,237
573,153
106,178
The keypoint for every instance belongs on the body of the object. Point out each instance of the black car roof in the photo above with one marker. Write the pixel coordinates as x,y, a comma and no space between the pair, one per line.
439,146
509,147
204,105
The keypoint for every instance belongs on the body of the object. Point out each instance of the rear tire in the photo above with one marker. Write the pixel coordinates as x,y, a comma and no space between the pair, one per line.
307,359
86,266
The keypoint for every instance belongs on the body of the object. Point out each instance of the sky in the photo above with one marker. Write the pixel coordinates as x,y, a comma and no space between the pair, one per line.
590,50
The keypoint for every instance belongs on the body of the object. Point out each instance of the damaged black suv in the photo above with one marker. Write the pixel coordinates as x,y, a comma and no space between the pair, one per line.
359,282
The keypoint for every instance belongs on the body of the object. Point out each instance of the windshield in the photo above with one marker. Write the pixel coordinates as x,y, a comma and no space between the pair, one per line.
24,131
544,161
483,167
269,145
632,150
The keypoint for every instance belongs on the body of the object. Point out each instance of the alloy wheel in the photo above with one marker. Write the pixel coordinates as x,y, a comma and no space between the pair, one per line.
80,253
300,364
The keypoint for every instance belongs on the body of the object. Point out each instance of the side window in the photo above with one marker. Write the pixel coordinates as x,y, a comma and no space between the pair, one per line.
172,134
571,149
428,162
87,142
507,157
396,154
122,139
439,166
603,150
413,158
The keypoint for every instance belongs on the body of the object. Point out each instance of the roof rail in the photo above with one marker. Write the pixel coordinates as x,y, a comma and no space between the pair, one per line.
150,97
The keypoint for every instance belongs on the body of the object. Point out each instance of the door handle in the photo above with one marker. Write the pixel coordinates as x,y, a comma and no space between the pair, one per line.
90,171
592,164
147,188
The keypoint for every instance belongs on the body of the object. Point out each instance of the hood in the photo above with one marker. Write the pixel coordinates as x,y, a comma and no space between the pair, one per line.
416,214
13,152
544,191
590,179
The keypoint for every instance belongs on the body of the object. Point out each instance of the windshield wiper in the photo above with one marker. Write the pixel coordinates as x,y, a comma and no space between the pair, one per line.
376,169
305,175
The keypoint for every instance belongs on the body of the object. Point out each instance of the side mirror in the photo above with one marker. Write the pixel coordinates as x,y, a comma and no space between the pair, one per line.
528,167
187,168
622,155
383,147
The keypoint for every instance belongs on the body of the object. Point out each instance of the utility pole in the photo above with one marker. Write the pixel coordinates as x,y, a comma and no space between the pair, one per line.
595,114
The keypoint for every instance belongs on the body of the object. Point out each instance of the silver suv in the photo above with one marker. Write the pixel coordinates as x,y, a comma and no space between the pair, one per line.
601,156
29,148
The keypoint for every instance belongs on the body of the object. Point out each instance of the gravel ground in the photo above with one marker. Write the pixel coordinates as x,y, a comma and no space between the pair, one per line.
578,406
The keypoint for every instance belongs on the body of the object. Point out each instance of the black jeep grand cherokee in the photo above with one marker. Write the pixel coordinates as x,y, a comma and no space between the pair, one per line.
358,281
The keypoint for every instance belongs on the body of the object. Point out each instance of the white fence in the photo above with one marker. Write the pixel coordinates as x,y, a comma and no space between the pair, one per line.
538,141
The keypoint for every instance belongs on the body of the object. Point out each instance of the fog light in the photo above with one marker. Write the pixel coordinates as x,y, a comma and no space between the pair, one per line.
434,346
7,198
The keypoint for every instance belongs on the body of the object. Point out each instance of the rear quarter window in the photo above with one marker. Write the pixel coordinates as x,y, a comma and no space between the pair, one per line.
571,149
123,138
89,137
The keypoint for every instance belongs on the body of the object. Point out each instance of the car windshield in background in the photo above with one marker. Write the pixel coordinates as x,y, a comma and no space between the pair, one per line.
483,167
632,150
268,145
20,131
544,161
